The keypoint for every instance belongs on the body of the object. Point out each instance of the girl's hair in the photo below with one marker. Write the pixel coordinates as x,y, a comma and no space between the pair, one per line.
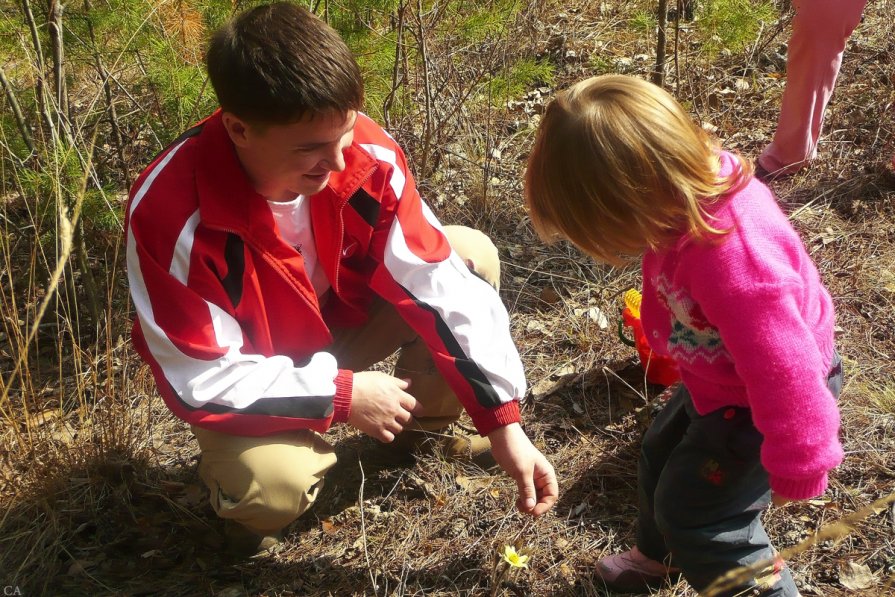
618,167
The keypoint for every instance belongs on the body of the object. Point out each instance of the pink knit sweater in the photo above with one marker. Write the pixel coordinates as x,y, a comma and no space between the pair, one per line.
750,324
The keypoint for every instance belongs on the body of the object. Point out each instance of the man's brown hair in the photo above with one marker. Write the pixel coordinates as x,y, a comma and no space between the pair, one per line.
275,64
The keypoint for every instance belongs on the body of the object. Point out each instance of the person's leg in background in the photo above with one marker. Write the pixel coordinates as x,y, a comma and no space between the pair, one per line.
820,30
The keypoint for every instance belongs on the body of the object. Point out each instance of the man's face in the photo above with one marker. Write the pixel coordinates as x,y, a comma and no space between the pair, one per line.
287,160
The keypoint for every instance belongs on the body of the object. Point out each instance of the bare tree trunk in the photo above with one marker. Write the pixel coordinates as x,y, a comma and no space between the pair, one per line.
41,90
681,6
16,111
427,91
659,72
56,38
396,70
117,137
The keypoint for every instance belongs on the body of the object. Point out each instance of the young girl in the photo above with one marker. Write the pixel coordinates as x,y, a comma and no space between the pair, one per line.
729,291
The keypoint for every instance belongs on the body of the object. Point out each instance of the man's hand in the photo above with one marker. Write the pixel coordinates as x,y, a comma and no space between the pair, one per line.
534,476
379,405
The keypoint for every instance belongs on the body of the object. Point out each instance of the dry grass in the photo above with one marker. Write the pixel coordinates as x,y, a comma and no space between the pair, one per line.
99,488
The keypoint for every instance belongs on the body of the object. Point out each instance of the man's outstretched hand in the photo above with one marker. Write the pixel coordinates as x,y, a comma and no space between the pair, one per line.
379,405
534,476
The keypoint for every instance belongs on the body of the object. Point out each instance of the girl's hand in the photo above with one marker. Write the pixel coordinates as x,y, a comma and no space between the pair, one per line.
778,500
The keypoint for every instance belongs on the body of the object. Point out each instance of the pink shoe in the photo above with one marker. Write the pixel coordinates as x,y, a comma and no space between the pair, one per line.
633,572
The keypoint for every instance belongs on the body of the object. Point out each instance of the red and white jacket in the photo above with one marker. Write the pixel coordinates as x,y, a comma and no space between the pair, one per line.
229,322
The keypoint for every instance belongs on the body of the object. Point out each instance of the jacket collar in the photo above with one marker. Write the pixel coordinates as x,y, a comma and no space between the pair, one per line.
226,197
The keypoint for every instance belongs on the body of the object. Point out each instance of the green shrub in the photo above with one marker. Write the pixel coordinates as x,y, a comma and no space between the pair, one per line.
732,24
520,76
644,22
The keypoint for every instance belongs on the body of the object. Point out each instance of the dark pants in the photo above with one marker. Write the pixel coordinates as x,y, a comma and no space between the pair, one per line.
702,489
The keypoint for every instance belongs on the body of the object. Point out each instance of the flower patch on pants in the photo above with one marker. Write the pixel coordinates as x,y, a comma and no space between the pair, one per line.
712,472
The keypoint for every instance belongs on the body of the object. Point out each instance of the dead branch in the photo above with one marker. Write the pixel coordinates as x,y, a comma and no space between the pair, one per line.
659,72
16,111
117,137
39,69
399,50
56,39
427,90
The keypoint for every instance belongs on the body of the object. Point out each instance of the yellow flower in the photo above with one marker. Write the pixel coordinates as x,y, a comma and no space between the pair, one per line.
514,559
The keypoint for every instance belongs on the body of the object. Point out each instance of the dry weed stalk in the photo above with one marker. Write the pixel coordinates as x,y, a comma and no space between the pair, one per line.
831,532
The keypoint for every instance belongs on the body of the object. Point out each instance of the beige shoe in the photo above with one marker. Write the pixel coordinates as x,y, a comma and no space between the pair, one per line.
469,447
454,443
243,543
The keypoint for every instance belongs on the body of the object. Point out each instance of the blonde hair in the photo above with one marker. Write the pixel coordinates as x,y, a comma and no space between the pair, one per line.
618,167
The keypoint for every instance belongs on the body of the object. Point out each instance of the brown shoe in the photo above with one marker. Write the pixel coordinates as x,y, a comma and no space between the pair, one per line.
468,447
243,543
454,443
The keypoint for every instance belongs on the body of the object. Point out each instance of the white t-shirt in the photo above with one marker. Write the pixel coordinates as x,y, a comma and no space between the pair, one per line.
294,220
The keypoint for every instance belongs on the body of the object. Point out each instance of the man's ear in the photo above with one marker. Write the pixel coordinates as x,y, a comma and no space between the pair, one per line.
237,129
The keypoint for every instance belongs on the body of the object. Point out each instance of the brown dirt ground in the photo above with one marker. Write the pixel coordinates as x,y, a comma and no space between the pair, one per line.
141,524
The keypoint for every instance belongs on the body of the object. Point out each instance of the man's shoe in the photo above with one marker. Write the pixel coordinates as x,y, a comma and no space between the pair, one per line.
633,572
243,543
453,443
468,447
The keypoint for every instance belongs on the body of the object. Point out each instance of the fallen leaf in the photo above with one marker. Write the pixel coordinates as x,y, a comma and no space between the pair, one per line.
599,317
472,484
171,487
856,576
534,326
564,370
547,387
595,315
549,295
329,527
79,567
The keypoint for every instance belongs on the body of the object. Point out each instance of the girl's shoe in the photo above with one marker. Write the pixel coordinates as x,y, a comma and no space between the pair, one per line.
633,572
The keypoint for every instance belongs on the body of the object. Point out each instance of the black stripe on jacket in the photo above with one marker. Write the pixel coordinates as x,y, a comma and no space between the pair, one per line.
366,206
296,407
481,387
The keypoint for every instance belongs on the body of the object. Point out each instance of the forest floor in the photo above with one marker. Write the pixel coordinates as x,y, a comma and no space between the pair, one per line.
142,525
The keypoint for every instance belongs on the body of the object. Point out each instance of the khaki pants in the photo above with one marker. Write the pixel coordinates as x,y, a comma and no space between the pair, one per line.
265,483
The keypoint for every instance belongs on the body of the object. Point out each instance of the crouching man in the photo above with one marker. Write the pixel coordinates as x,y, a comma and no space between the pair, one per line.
278,249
